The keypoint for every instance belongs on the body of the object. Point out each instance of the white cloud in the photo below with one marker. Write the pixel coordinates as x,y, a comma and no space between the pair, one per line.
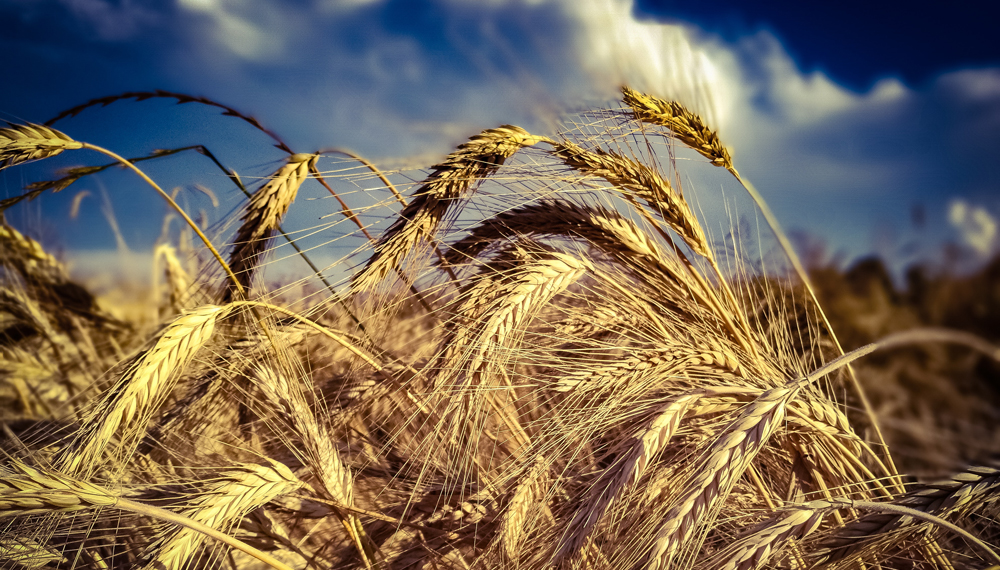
975,225
663,59
242,37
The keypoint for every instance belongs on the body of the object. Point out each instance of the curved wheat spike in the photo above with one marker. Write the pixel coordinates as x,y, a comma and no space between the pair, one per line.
627,175
220,505
263,216
25,143
146,382
606,230
529,491
26,490
757,547
451,181
499,303
958,497
728,457
321,450
688,127
626,472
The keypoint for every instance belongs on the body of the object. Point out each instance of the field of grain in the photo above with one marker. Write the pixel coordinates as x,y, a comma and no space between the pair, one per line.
541,360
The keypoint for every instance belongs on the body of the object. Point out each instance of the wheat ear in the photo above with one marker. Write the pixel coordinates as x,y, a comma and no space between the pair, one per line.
26,490
688,127
607,231
500,301
144,384
626,472
262,218
632,177
27,553
450,181
178,280
25,143
729,456
221,504
29,257
755,549
319,442
528,493
963,494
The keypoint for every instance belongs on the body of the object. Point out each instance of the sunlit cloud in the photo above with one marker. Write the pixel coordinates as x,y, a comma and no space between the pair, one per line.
241,36
976,227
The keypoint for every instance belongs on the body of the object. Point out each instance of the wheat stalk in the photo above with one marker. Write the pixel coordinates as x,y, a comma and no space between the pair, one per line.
450,181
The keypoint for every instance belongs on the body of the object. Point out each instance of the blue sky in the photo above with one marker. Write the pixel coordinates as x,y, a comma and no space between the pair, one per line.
873,127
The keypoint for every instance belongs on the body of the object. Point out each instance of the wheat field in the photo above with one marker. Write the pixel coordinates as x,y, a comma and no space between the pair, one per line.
540,360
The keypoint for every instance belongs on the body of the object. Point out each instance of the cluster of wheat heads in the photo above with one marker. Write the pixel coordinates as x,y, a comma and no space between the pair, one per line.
541,364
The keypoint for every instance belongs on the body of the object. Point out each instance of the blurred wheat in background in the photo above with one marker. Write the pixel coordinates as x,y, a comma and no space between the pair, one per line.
535,357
